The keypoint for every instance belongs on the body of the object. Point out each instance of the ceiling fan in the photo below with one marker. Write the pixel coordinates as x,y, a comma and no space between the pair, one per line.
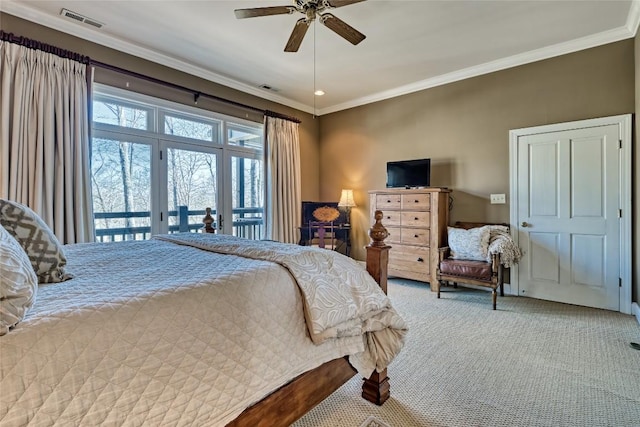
312,9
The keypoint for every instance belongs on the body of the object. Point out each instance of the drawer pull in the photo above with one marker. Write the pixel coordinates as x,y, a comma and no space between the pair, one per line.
388,201
388,217
416,201
415,235
420,260
416,218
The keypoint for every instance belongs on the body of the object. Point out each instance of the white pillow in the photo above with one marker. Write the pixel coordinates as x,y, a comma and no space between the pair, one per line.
472,244
18,282
37,239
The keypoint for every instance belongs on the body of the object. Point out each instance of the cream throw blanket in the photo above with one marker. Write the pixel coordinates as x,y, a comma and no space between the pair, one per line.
340,297
500,242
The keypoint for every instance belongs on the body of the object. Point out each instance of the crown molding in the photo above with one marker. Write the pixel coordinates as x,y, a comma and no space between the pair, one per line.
605,37
633,19
610,36
92,35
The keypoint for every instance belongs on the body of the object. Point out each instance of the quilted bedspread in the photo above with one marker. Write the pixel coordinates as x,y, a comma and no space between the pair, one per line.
159,333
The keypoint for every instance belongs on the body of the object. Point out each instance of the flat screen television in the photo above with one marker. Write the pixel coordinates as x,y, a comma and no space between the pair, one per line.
409,173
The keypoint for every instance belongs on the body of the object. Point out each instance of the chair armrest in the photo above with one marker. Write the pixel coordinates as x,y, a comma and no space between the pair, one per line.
443,252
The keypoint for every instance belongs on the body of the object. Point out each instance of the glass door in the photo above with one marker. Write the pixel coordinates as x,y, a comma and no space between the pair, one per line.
244,178
247,196
121,176
193,184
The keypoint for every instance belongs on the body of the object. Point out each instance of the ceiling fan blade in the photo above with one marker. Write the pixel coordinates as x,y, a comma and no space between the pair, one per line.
302,25
341,28
340,3
263,11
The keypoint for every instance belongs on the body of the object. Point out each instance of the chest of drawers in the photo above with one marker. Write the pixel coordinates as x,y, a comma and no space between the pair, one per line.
417,224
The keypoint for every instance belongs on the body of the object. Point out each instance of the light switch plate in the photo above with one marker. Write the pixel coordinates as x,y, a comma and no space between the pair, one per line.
498,199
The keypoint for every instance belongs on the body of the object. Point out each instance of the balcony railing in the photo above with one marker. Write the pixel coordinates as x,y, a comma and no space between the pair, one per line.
245,223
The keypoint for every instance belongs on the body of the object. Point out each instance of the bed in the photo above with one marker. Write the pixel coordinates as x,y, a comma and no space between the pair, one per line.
197,329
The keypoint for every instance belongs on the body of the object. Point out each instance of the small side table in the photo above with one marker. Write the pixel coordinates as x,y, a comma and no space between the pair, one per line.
342,235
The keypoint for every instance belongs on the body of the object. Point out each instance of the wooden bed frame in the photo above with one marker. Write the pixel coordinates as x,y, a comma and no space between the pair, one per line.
293,400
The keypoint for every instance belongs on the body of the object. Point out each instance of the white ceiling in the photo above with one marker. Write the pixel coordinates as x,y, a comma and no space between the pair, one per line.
410,45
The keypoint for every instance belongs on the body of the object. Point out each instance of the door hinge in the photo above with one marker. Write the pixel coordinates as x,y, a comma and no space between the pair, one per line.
160,154
220,220
619,213
620,143
160,216
619,282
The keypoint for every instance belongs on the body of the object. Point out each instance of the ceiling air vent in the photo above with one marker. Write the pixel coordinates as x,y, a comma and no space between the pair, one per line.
80,18
268,87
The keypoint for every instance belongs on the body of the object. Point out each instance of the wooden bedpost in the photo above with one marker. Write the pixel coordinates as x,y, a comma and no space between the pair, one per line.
376,388
208,221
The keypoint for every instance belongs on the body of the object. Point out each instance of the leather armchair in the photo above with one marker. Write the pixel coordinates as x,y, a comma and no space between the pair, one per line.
481,273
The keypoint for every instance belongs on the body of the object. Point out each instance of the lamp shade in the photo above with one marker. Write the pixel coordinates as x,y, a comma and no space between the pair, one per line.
346,199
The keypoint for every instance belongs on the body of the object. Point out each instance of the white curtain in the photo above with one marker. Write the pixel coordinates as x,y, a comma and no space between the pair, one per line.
44,139
283,201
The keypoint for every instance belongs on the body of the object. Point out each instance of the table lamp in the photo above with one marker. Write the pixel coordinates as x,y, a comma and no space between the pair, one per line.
346,201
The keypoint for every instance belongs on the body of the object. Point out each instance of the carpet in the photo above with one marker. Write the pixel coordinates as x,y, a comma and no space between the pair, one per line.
530,363
374,422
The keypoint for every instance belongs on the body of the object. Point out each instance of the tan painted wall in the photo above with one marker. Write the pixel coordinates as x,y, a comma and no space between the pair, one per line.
309,128
464,128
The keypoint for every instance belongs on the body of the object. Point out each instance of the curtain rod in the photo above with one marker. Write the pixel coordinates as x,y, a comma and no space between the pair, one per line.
196,94
33,44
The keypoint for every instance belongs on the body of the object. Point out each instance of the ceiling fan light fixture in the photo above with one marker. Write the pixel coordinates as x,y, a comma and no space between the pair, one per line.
318,92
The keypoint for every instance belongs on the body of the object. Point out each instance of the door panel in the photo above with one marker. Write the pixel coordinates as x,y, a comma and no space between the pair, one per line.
543,158
587,178
543,251
568,186
192,186
587,257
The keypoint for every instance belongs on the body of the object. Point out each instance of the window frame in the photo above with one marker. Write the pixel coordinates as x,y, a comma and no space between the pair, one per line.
158,109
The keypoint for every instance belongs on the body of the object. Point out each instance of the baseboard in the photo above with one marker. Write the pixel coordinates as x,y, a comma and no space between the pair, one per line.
635,310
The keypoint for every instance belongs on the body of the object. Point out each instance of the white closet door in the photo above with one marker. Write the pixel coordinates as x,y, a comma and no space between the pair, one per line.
566,213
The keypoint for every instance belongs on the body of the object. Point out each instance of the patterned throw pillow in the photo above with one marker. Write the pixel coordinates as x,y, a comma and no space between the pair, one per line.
36,238
18,282
472,244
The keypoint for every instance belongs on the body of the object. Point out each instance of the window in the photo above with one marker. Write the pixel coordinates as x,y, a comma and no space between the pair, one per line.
122,114
192,128
247,189
121,184
243,136
157,165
